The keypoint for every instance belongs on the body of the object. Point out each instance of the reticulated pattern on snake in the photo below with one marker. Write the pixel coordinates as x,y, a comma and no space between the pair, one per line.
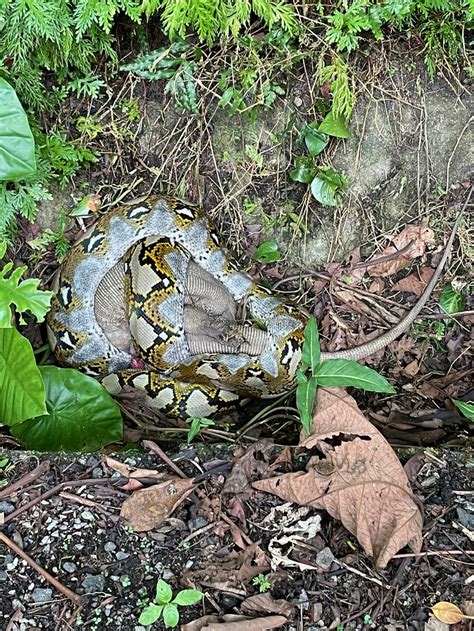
149,299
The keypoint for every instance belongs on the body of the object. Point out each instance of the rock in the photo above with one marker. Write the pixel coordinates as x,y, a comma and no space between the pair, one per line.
3,576
93,583
6,507
465,517
325,558
167,574
110,546
42,595
97,472
69,567
121,555
196,523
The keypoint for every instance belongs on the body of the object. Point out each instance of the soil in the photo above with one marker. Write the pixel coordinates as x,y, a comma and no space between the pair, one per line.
74,532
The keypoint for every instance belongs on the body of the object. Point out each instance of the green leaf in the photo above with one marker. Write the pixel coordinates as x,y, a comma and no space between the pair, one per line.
328,185
17,147
188,597
465,408
82,414
267,252
22,394
305,396
304,170
171,615
451,301
164,593
311,350
150,614
25,295
197,423
334,126
315,140
346,372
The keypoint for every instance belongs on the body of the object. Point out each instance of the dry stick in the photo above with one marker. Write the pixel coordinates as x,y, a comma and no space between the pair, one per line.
53,491
46,575
359,573
432,553
149,444
40,470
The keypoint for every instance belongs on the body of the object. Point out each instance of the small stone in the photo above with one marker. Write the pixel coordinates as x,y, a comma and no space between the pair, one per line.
167,574
98,472
69,567
465,517
87,515
3,576
6,507
42,595
297,101
9,558
196,523
93,583
109,546
121,555
325,558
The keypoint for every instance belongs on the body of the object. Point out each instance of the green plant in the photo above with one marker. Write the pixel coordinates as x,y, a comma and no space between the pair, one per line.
327,186
267,252
313,372
55,238
197,423
213,18
466,408
170,63
451,300
262,583
166,606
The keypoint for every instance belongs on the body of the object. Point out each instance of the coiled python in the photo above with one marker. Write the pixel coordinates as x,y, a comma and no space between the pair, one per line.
148,299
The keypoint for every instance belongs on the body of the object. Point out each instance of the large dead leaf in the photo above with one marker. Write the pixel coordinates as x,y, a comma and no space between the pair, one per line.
358,479
407,245
264,603
413,284
449,613
252,463
248,624
148,508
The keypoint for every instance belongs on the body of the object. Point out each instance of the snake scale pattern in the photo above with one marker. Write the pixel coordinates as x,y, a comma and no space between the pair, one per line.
149,300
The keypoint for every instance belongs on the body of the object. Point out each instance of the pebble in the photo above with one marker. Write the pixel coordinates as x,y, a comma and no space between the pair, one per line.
69,567
98,472
9,558
325,558
3,576
87,515
465,517
93,583
42,595
6,507
196,523
109,546
167,574
121,556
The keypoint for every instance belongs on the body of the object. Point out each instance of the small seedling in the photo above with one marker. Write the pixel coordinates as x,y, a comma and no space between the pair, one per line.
197,423
262,583
168,607
368,619
313,372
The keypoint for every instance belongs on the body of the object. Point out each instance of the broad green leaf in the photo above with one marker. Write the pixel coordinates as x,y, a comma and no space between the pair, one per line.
17,147
82,414
267,252
328,186
311,350
315,140
150,614
346,372
188,597
305,396
334,126
197,423
164,593
465,408
304,170
22,394
451,300
24,295
170,616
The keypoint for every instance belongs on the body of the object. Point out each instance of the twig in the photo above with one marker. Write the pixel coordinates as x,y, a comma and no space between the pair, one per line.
359,573
432,553
40,470
46,575
153,447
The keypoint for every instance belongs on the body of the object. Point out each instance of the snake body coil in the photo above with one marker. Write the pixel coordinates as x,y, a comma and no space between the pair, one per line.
148,299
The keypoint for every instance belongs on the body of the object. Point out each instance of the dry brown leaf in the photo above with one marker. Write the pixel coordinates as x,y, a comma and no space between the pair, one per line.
148,508
449,613
412,240
197,625
359,480
132,472
249,624
266,604
252,464
413,284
